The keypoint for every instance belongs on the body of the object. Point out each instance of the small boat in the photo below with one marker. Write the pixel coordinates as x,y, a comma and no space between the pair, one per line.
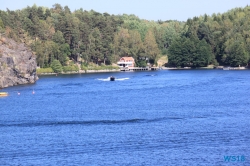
112,78
4,94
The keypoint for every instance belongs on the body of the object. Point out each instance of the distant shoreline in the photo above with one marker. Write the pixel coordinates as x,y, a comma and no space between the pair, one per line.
82,72
209,68
161,68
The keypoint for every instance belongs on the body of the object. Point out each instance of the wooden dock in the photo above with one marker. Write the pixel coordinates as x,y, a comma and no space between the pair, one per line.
139,68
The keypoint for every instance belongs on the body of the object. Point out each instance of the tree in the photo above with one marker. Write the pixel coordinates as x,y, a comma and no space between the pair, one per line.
175,53
58,37
135,44
64,52
40,13
141,63
189,52
204,32
105,38
57,8
121,42
45,31
38,48
150,46
56,66
47,13
203,55
237,55
97,46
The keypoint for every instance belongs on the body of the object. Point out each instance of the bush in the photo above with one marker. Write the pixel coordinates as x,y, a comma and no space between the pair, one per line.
141,63
83,67
56,66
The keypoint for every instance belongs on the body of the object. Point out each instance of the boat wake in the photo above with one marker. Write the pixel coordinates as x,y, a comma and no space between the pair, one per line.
104,79
151,75
121,79
108,79
87,122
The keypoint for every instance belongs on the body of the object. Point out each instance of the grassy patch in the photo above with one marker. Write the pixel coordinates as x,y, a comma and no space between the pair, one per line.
44,70
70,68
102,67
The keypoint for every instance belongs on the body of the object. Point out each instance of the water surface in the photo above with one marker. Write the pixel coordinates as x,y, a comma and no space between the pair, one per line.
177,117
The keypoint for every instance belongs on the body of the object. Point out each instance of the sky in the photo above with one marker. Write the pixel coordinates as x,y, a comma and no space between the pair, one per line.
155,10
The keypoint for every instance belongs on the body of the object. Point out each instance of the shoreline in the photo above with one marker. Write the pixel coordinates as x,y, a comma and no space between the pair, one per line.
161,68
83,72
207,68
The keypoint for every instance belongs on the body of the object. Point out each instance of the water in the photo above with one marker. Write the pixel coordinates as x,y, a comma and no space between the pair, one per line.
180,117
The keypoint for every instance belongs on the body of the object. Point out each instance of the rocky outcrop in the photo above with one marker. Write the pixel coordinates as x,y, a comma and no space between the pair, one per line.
17,63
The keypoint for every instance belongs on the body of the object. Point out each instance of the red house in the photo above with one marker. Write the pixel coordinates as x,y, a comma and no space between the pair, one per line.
127,62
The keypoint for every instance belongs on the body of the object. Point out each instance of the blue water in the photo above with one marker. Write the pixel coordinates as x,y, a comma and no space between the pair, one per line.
177,117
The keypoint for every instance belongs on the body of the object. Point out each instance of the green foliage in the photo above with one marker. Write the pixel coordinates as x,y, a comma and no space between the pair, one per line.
150,46
227,35
71,68
164,51
101,38
58,37
56,66
203,55
1,23
44,70
92,37
121,42
135,44
83,67
237,55
141,63
189,52
102,67
64,52
92,66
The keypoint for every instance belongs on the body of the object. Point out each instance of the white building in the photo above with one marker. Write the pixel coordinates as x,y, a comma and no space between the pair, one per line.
127,62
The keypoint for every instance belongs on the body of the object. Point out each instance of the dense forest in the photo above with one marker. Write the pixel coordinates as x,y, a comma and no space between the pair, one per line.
220,39
59,36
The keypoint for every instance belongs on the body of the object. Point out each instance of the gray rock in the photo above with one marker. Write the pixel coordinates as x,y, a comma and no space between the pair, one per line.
17,64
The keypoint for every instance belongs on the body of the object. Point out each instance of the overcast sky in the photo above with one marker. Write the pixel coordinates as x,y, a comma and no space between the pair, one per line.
145,9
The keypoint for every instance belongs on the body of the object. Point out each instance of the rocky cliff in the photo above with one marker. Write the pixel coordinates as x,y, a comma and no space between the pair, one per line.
17,63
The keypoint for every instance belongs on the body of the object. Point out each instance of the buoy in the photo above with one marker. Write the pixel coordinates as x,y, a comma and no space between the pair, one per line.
18,93
33,92
4,94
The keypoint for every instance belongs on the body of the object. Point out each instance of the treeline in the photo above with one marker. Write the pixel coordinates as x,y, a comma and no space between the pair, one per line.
220,39
58,34
88,37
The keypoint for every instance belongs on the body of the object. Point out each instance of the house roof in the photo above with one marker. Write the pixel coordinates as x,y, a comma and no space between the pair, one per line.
127,58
